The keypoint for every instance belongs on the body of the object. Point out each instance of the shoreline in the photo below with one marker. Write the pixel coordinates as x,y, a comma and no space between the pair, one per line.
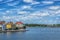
21,30
43,25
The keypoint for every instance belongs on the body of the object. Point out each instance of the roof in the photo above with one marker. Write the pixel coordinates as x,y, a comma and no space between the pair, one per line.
2,22
19,23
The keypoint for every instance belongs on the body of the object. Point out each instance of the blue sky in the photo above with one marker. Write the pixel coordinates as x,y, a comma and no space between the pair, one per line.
30,11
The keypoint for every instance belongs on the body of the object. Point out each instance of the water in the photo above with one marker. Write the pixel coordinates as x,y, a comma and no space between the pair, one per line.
34,33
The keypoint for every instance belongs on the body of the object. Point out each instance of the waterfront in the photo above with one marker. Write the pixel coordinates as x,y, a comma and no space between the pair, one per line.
33,33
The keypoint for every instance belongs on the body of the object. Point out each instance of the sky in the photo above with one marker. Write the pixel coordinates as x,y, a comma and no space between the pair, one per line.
30,11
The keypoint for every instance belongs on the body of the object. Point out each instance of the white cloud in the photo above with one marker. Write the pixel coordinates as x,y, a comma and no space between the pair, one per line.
38,13
28,1
31,1
55,0
58,12
54,12
10,11
35,3
13,3
12,18
5,1
26,7
22,12
35,15
41,14
6,17
15,11
54,7
47,2
44,14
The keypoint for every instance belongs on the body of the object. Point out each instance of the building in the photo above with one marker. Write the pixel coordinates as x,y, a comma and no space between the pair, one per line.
19,25
2,25
9,25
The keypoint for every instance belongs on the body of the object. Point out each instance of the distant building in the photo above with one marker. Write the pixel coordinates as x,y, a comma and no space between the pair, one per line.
9,25
2,25
19,25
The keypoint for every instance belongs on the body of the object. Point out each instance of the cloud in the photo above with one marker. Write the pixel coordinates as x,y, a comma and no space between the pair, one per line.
11,17
13,3
35,15
10,11
54,7
31,1
55,0
6,17
58,12
22,12
2,1
16,12
28,1
54,12
10,2
29,12
26,7
38,13
47,2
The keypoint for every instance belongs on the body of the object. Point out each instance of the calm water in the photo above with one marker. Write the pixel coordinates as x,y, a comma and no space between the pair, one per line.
34,33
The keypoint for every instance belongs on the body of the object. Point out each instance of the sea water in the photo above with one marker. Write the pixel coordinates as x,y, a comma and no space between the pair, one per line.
33,33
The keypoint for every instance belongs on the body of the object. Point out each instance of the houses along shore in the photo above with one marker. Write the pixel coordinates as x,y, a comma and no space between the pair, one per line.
5,26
